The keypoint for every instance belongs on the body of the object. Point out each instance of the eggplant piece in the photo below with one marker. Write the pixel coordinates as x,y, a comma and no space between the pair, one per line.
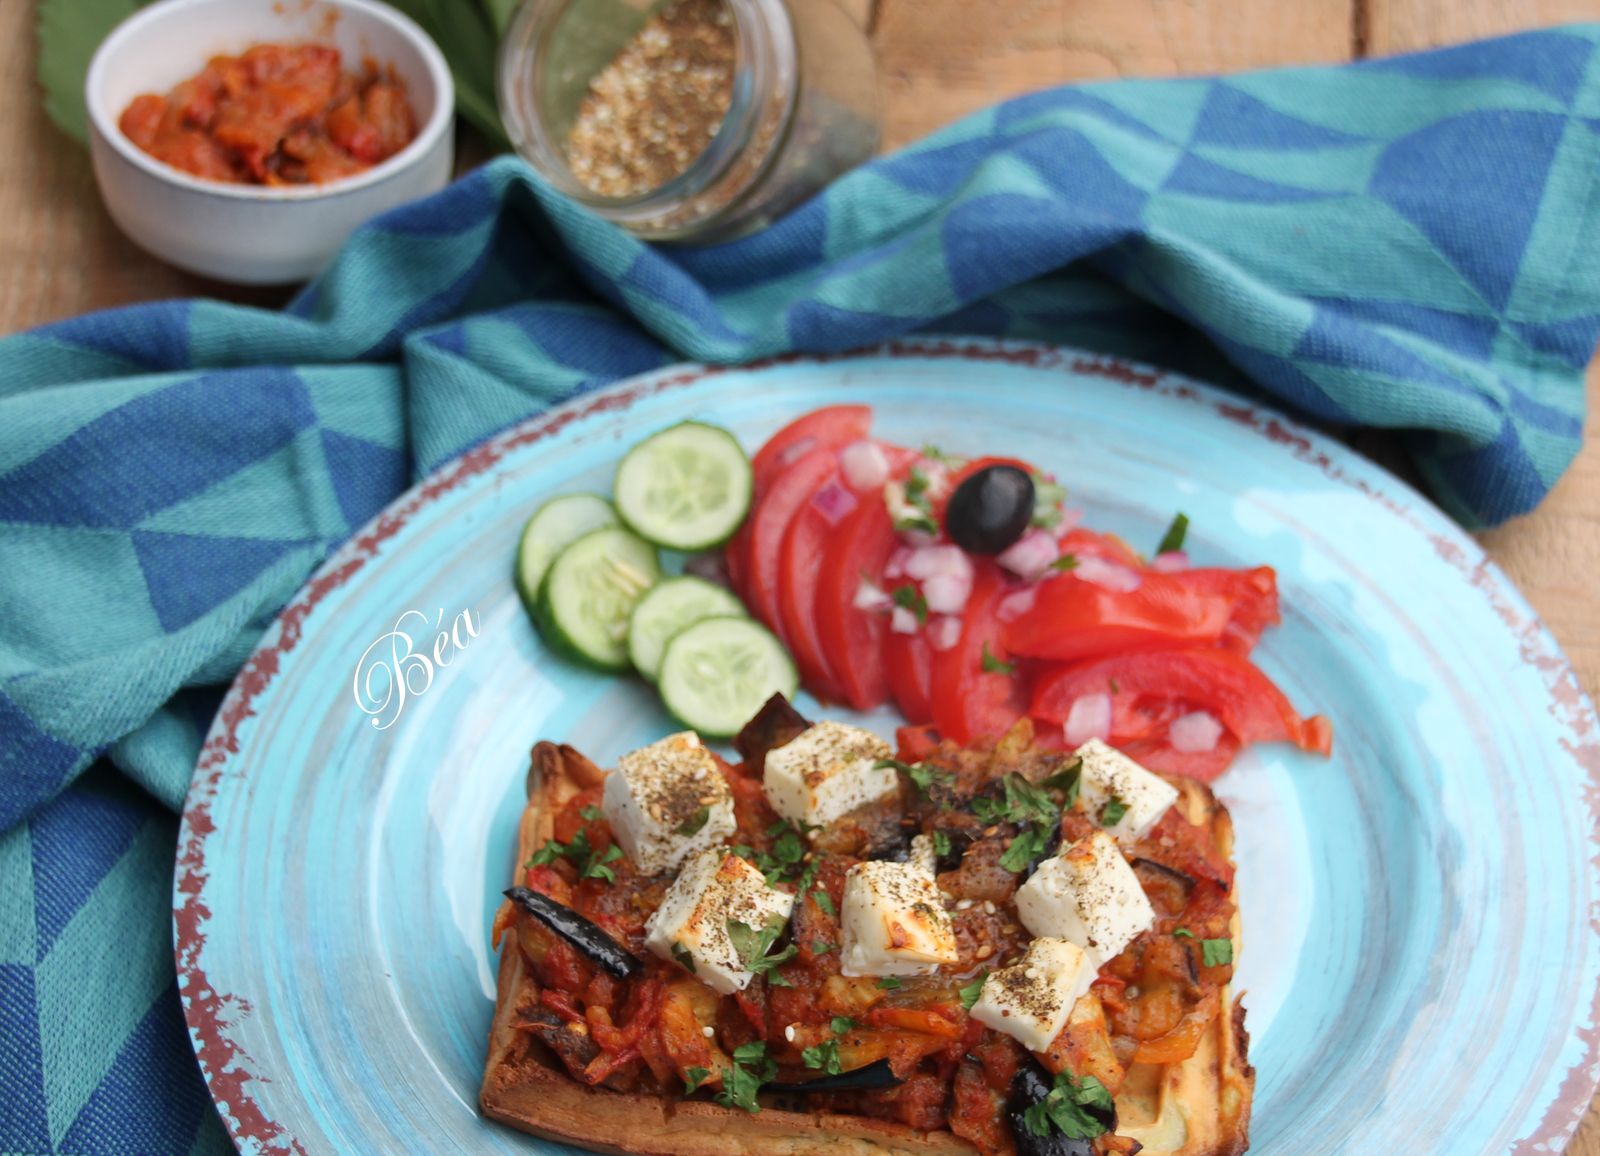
890,841
775,724
575,1048
867,1078
1029,1087
587,937
1166,887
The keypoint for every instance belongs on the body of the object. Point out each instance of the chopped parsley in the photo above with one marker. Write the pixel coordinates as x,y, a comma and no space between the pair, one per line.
1047,499
785,861
941,844
740,1083
591,813
1067,780
591,864
970,993
909,504
1031,806
822,947
685,960
922,776
695,822
693,1078
1111,814
890,983
1065,562
1024,849
752,946
841,1024
1173,539
825,1056
1183,933
1066,1108
934,454
1216,952
993,665
825,901
908,597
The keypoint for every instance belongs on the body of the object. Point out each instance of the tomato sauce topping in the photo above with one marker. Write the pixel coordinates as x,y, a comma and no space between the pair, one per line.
277,114
663,1029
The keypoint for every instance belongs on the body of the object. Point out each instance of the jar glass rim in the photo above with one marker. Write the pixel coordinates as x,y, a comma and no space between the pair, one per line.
764,42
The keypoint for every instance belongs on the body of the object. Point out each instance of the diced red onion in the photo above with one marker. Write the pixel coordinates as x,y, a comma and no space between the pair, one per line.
1071,516
870,597
798,450
916,539
1195,733
1030,555
1089,718
865,466
944,632
896,567
1014,606
710,566
933,561
1171,562
902,621
1107,574
834,502
947,593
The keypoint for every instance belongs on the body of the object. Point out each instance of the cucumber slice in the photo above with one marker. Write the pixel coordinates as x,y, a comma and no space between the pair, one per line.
555,526
589,592
686,488
668,608
716,674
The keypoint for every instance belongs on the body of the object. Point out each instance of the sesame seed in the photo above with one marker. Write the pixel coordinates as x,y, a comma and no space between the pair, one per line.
709,1032
985,951
1032,973
988,907
788,1033
963,904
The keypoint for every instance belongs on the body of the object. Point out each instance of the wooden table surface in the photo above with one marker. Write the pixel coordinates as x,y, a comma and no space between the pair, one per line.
60,254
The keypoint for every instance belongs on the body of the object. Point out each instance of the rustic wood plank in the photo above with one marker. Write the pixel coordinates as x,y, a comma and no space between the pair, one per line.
941,59
1410,25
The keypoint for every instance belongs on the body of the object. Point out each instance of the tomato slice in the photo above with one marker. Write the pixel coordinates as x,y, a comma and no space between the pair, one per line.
1081,542
1073,619
853,638
831,427
1153,688
800,583
968,701
909,661
915,743
768,526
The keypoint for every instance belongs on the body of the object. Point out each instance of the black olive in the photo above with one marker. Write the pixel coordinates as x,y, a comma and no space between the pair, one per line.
1030,1085
990,509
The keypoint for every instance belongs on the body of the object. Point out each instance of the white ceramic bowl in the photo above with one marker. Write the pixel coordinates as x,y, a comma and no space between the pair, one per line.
245,233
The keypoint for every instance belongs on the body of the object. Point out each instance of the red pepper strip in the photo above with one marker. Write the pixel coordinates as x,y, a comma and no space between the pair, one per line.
561,1003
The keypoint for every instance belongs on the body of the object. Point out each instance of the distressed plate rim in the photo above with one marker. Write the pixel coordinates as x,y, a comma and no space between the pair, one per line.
226,1067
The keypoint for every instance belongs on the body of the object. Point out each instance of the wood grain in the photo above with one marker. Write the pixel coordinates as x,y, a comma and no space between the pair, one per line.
940,59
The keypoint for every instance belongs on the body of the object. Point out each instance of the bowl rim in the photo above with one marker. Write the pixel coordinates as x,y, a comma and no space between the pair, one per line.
105,126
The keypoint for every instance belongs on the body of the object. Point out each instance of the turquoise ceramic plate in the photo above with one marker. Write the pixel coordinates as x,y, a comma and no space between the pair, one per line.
1420,949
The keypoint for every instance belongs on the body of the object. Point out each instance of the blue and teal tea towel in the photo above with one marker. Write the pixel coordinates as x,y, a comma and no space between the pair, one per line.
1410,243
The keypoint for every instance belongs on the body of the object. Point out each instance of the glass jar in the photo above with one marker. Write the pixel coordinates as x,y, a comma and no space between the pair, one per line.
803,108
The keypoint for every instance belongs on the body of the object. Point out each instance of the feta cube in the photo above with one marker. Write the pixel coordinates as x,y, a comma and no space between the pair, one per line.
691,925
1032,1000
827,771
892,921
1089,895
1106,774
667,801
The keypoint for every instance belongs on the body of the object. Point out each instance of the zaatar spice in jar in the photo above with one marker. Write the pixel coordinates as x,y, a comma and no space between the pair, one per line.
690,119
654,109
